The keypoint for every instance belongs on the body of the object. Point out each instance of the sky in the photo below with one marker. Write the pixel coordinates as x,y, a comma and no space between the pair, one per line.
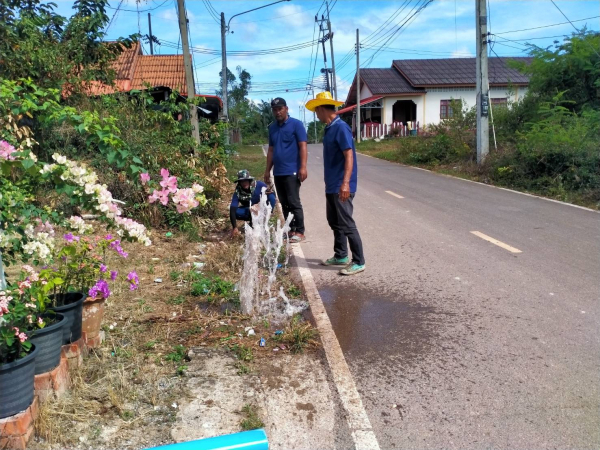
444,29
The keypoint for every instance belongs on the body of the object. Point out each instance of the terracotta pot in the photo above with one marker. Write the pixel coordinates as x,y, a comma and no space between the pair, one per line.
93,313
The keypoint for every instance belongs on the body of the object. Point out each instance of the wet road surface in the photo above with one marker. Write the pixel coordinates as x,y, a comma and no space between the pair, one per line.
455,340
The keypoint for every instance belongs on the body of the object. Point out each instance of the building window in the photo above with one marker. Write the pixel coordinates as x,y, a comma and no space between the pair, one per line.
499,101
446,108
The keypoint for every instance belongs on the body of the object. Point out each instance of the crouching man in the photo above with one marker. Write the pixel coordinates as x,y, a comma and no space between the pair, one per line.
246,196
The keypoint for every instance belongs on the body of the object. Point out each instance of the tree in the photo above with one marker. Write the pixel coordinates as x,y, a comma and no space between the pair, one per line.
52,50
311,131
572,67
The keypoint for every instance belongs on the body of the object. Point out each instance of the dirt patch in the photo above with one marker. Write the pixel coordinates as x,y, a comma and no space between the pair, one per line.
128,392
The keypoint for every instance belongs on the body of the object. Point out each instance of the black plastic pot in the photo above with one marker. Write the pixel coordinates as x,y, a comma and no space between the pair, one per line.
16,385
73,306
48,341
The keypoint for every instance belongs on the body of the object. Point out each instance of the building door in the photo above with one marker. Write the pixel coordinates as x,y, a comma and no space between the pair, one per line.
404,111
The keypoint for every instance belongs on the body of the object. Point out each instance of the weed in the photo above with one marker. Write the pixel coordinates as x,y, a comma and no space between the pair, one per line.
242,352
294,291
196,329
177,355
266,323
151,269
252,421
179,300
181,370
299,335
127,415
242,368
215,288
175,275
150,344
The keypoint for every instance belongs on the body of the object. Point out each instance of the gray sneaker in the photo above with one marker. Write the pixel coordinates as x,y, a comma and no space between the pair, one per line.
336,261
352,269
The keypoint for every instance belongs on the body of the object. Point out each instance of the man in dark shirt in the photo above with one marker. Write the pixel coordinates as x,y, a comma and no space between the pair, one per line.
247,194
339,160
287,157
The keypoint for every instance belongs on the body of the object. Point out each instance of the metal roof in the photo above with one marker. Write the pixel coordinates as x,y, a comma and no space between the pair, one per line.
382,81
362,102
459,71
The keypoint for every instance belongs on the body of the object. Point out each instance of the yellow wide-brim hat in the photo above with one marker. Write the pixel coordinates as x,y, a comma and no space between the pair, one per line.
323,98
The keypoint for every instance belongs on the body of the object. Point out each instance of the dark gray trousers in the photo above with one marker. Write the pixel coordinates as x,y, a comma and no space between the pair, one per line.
339,217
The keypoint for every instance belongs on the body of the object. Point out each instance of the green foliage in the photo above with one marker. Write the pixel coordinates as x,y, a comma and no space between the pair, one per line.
252,421
555,155
242,352
572,67
310,132
299,335
177,355
54,51
214,288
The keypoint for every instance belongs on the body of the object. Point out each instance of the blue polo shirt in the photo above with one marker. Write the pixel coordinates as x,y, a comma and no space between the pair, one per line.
337,138
284,139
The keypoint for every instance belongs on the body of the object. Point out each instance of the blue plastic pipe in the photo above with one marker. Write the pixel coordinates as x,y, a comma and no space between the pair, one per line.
247,440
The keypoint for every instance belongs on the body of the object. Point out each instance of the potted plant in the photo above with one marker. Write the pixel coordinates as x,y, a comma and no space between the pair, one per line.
44,328
78,282
17,355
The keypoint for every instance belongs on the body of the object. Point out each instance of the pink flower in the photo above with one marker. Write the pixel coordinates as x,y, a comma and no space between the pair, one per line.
40,321
6,151
197,188
144,178
184,199
162,196
22,336
168,183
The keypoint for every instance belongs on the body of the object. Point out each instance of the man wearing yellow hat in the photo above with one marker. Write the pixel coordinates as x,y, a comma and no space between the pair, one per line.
339,160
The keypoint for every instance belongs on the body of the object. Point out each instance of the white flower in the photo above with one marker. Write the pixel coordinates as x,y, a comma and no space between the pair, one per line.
60,159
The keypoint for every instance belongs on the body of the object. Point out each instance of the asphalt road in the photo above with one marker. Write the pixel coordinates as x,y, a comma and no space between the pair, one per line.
454,341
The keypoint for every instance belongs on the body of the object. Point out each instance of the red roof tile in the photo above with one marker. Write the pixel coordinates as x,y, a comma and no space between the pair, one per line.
160,70
362,102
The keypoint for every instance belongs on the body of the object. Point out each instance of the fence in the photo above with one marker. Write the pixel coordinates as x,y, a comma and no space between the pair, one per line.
379,130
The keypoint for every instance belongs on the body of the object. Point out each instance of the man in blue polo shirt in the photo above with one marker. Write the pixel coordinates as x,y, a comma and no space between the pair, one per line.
287,157
339,160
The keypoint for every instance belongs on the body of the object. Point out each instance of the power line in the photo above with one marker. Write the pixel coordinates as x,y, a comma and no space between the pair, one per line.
113,17
576,29
547,26
208,51
212,14
142,10
511,46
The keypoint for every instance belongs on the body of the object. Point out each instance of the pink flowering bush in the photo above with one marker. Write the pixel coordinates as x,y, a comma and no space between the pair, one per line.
22,308
184,199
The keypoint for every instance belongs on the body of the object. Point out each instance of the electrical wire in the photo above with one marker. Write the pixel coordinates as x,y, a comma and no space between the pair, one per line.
576,29
141,11
270,51
210,12
547,26
113,17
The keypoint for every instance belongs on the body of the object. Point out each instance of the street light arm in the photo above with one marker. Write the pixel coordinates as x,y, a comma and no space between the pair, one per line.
250,10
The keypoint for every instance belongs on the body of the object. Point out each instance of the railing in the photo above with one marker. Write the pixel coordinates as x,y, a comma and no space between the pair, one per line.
395,129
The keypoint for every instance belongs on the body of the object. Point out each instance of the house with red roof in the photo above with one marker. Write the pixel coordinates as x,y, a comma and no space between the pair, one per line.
161,73
414,93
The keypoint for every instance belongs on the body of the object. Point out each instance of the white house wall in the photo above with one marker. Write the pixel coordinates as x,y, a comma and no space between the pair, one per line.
388,107
365,93
467,95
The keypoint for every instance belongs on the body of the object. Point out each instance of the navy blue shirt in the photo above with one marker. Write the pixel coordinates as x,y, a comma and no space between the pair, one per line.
284,139
337,138
271,200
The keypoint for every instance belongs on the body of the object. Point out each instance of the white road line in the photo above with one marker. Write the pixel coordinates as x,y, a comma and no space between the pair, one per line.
483,184
496,242
358,421
394,194
356,416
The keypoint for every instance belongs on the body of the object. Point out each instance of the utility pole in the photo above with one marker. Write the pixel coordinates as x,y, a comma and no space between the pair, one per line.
150,35
333,78
224,74
482,86
187,63
357,87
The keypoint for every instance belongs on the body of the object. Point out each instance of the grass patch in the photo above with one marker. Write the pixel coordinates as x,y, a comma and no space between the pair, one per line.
252,421
299,335
249,157
177,355
242,352
214,288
